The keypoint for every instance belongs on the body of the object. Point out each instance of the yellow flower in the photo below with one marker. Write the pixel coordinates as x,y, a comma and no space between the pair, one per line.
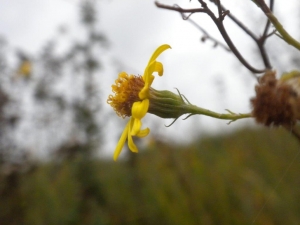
25,69
131,98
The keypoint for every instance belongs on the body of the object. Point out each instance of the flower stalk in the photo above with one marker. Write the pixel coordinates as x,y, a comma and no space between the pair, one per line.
166,104
193,110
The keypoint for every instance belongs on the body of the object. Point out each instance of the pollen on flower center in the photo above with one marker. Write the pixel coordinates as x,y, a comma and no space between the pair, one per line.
126,91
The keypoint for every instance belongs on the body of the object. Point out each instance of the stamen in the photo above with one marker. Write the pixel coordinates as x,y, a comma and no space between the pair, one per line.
126,91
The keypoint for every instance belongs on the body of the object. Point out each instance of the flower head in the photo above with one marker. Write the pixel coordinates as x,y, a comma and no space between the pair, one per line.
131,98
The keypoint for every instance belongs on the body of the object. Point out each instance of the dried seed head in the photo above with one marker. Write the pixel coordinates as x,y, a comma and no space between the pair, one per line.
276,103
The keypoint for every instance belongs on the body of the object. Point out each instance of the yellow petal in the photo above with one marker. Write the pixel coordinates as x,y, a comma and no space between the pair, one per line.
139,109
148,73
158,51
131,144
153,66
143,133
136,127
121,142
144,93
148,77
159,68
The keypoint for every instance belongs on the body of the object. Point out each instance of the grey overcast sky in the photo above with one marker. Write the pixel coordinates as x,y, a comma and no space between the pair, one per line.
209,77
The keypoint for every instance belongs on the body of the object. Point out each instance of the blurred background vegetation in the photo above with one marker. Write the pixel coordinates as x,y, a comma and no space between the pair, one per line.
234,179
246,177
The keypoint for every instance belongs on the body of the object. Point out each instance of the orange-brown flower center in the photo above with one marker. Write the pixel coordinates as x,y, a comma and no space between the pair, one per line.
126,91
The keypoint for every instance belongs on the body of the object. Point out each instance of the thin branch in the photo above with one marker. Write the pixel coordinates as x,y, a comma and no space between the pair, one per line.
218,3
241,25
263,39
219,23
206,34
179,9
259,41
184,17
285,35
268,21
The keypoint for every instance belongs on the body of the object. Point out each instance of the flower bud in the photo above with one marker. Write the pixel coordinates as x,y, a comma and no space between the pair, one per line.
166,104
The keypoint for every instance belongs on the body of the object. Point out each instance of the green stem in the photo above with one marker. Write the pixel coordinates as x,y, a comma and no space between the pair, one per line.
192,109
166,104
284,34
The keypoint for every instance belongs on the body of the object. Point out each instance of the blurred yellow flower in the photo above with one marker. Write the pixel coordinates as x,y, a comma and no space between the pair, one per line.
25,68
131,98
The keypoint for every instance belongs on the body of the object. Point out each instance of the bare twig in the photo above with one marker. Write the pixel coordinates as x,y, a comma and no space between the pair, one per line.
208,36
268,21
179,9
285,35
219,8
263,39
219,23
259,41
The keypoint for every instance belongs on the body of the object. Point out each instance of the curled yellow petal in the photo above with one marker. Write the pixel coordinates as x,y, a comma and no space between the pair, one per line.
131,144
148,77
121,142
148,72
136,127
158,51
143,133
144,93
152,67
159,68
139,109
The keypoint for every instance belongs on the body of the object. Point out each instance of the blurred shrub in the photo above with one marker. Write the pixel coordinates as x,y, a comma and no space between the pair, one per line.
233,179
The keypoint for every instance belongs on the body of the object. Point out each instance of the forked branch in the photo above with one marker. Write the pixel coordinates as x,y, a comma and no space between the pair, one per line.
219,23
284,34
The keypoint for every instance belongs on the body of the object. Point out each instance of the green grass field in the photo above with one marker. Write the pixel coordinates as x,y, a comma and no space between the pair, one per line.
243,178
